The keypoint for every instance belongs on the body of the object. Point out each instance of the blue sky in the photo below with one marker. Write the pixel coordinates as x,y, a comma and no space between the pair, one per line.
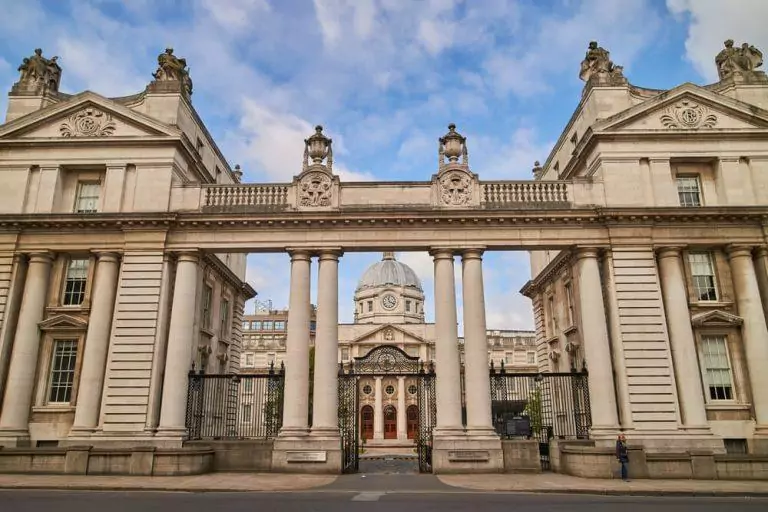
384,77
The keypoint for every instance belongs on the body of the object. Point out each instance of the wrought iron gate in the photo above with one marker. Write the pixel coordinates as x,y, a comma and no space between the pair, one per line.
385,361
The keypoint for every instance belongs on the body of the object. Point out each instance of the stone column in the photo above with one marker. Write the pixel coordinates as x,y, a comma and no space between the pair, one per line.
378,411
161,345
14,420
448,385
296,400
681,340
181,340
325,417
96,345
761,268
754,332
594,330
402,429
476,372
11,317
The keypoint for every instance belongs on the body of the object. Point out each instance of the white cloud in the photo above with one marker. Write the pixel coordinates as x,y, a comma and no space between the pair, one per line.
236,14
714,21
512,159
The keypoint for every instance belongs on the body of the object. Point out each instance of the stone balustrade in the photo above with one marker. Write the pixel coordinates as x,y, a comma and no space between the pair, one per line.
517,194
245,197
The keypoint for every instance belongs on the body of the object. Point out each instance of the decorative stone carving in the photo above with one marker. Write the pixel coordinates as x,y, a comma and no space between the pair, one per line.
455,188
316,149
737,61
537,170
687,114
172,74
38,74
389,335
452,146
597,68
88,122
315,189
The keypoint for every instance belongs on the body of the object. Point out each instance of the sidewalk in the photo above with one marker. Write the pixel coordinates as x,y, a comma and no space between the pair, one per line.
558,483
211,482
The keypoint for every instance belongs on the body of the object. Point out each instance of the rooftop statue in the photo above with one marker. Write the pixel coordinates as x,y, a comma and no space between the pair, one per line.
597,62
172,68
39,74
739,61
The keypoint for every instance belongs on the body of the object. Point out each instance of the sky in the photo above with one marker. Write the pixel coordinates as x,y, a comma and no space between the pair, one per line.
385,78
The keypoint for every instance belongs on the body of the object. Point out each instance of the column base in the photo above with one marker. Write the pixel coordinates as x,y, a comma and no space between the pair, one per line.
324,433
14,438
307,454
462,453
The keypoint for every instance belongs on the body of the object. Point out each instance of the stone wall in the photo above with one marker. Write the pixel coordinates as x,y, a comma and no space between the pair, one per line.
246,455
521,456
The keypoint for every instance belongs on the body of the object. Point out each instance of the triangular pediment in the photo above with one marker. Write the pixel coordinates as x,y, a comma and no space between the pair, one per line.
380,334
85,115
716,318
686,108
63,322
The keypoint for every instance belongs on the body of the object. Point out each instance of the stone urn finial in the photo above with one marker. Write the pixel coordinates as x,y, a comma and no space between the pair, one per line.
452,146
318,148
537,170
238,172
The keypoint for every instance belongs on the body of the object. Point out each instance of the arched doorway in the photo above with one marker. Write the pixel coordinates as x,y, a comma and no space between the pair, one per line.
390,422
366,422
412,421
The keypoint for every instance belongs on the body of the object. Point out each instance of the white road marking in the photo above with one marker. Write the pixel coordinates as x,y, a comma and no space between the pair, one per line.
368,496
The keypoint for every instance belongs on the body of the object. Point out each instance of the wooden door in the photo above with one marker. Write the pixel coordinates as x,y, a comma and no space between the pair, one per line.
412,421
390,422
366,422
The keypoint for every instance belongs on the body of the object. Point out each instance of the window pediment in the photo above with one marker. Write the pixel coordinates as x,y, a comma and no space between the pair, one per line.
716,318
63,323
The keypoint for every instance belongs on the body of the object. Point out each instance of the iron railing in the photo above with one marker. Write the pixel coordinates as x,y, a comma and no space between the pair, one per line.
235,406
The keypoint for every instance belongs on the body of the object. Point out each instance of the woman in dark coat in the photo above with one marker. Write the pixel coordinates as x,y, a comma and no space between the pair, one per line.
622,455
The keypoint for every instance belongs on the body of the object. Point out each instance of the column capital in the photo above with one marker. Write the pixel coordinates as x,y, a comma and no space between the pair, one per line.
299,254
377,378
190,256
441,253
587,252
658,160
40,257
738,251
673,251
761,251
112,257
330,253
472,253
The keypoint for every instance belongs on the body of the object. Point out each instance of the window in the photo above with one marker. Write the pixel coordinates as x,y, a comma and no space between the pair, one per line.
74,286
531,358
367,389
249,360
569,300
246,325
408,306
716,368
280,325
735,446
412,389
87,199
224,313
703,274
508,357
256,326
390,390
270,358
206,311
551,321
688,190
62,374
312,326
248,385
370,306
345,354
246,413
267,325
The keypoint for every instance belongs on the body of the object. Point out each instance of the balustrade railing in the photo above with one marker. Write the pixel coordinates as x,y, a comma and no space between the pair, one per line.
500,194
247,196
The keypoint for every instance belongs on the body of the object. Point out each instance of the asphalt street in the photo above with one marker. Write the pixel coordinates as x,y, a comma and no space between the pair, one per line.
351,500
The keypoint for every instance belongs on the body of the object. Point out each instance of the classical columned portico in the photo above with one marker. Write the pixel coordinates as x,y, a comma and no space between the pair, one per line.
478,385
325,418
448,377
596,344
754,334
681,340
181,341
296,403
14,419
96,345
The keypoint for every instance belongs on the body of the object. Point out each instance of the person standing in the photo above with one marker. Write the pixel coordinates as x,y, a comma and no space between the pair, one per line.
622,455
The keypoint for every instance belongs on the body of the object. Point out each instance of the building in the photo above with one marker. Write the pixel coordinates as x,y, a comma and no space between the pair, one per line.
389,310
100,327
683,332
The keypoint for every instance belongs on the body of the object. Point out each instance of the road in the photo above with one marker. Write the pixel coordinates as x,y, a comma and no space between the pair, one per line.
352,500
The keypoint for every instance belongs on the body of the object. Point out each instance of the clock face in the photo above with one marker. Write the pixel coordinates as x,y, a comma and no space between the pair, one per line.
389,301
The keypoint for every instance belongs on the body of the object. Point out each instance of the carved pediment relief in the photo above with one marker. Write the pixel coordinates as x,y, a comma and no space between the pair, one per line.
316,189
63,323
455,188
716,318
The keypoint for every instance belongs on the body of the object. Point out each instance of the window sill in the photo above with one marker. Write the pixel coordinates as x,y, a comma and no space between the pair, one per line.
710,303
82,308
727,406
569,329
54,408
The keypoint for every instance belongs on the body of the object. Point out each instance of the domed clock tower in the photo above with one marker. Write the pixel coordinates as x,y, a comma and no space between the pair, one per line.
389,292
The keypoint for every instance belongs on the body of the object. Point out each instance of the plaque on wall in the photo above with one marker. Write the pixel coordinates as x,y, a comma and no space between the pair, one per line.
306,456
469,455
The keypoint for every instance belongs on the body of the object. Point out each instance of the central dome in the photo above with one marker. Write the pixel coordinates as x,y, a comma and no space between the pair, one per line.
389,272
